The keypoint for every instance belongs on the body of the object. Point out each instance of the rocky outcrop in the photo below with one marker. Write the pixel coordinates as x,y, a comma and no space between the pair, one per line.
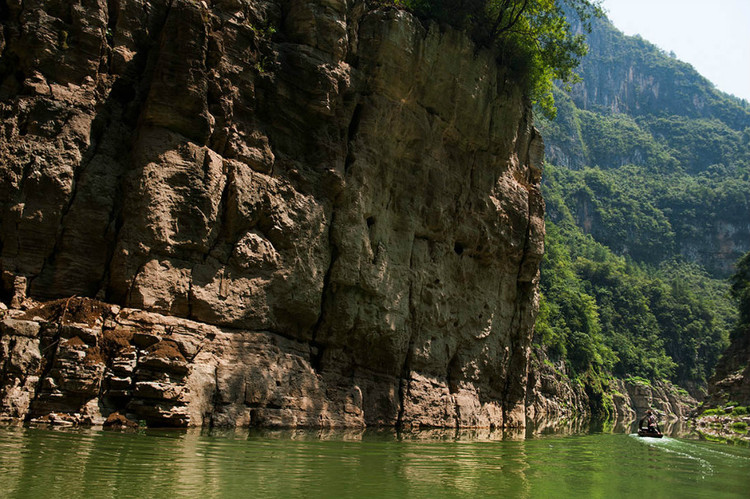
731,379
723,415
668,402
311,213
79,361
551,395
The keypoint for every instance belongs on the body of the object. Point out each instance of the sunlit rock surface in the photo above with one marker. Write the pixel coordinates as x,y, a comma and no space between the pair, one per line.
312,213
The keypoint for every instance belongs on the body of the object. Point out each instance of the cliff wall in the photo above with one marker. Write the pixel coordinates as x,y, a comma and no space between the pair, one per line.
302,213
731,380
627,74
553,398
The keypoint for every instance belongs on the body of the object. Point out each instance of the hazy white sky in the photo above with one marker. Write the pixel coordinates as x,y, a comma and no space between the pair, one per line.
713,36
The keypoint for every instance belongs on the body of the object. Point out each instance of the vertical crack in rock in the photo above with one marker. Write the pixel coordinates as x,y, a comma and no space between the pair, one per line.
49,352
517,340
114,226
113,7
88,156
452,380
189,297
524,288
219,230
128,298
405,384
215,399
4,11
317,348
351,134
5,18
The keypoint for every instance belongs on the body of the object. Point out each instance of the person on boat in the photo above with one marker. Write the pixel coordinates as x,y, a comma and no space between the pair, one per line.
650,421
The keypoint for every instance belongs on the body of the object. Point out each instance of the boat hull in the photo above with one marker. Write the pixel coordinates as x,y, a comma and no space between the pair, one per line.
649,434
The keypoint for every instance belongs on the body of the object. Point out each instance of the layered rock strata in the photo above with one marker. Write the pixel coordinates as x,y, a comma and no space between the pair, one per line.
312,213
633,399
77,361
552,397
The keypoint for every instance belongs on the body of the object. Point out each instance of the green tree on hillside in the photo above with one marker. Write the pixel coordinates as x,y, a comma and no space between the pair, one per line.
604,313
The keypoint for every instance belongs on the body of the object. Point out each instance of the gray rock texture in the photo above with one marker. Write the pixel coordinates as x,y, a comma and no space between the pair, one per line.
312,213
553,399
731,380
663,398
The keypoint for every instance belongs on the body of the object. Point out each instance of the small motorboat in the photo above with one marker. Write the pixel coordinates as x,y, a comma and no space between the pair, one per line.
647,426
646,432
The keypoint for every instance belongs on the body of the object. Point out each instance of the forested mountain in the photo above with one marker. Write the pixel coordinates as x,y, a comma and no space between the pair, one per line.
647,184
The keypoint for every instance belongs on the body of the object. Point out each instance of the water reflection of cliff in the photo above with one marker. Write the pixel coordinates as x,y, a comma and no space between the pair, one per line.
211,463
561,426
37,462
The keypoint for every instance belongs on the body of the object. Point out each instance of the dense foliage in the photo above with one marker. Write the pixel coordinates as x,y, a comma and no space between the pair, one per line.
655,216
648,206
532,38
608,313
663,143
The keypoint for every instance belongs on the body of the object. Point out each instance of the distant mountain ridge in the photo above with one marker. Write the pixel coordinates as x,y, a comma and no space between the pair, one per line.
627,74
647,189
689,143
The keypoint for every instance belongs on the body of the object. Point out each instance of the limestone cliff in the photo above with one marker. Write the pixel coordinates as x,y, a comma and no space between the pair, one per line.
553,397
302,212
731,380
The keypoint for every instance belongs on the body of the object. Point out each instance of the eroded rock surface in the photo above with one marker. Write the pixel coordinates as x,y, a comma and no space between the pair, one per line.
731,380
665,399
551,396
313,213
554,397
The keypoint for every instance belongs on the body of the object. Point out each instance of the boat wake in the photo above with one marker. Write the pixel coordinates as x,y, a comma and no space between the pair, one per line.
704,454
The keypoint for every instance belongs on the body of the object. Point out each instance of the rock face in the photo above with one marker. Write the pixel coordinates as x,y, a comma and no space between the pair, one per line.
78,361
313,213
731,380
634,399
627,74
552,397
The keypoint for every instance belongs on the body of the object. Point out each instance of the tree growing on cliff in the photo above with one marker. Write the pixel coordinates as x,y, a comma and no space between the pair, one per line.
532,37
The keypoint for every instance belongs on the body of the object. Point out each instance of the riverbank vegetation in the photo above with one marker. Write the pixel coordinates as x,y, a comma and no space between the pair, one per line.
647,185
605,313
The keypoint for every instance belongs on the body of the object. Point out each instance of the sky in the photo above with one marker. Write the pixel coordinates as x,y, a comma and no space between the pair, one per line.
713,36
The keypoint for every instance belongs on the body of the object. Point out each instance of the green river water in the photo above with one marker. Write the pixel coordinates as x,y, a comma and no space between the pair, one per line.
44,462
